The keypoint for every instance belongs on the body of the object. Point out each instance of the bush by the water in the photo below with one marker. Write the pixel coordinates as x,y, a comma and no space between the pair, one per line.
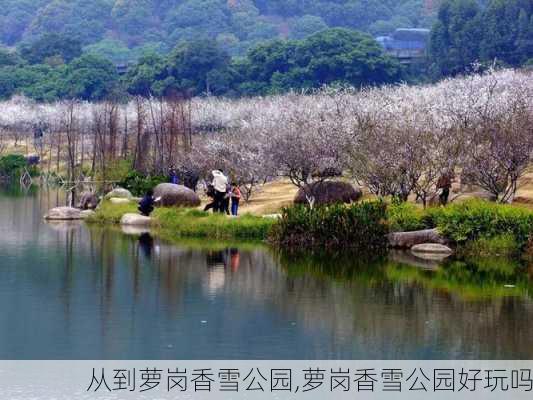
138,183
481,224
358,226
12,166
481,219
407,217
329,192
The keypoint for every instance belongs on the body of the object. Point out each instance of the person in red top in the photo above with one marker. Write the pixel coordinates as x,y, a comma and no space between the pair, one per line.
235,199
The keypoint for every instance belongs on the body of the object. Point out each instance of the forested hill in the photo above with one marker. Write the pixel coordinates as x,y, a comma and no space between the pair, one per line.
121,29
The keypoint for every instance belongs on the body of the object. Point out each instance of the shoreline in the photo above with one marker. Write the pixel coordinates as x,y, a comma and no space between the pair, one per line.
472,229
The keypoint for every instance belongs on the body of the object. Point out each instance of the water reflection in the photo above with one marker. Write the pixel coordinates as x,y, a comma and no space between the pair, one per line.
146,244
68,291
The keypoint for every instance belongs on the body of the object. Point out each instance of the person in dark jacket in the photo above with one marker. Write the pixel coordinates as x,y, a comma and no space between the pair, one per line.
146,205
444,184
210,192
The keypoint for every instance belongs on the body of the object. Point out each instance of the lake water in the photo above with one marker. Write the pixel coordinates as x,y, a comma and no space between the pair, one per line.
68,291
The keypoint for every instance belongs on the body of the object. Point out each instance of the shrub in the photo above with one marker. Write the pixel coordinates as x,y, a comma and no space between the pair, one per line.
12,166
405,217
480,219
358,226
116,171
138,184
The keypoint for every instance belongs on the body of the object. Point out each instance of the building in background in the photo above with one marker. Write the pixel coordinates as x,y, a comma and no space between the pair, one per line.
407,45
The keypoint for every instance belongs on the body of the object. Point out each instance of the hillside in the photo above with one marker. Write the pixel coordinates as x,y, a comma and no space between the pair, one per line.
122,29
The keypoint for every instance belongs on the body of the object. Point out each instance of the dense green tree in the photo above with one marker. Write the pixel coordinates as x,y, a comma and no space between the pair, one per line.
133,17
307,25
329,57
138,22
8,57
85,20
40,82
504,23
150,69
206,18
114,50
524,42
455,38
51,45
89,78
198,67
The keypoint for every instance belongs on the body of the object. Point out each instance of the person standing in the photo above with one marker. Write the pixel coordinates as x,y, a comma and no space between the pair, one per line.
146,205
235,200
173,175
444,185
220,183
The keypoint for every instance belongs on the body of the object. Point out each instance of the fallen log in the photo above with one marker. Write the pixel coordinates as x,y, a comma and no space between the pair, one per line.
406,240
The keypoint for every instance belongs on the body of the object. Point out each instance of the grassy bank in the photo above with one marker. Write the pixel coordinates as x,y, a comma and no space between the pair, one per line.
195,223
478,227
184,223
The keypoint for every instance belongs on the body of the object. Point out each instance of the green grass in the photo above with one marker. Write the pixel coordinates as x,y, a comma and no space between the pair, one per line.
478,219
481,226
109,213
180,222
498,246
406,217
175,223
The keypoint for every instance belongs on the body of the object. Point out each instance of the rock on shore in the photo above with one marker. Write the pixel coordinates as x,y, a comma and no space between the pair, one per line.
135,220
406,240
176,195
119,193
431,251
63,214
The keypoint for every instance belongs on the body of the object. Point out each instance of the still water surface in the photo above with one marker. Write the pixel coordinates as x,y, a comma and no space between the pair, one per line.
68,291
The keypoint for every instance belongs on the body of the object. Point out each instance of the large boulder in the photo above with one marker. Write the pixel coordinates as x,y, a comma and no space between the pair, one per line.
135,220
406,240
63,214
176,196
88,201
119,193
329,192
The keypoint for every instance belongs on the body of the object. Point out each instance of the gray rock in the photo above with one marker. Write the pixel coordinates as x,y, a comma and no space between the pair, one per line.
431,248
135,220
176,196
406,240
119,193
329,192
88,201
63,214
